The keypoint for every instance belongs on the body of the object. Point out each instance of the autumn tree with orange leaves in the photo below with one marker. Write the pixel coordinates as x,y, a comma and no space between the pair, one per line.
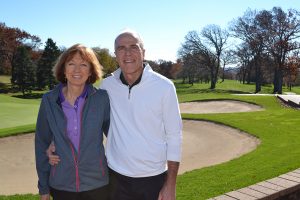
10,40
291,71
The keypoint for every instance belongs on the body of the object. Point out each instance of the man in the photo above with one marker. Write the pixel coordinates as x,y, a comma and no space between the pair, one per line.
146,129
143,146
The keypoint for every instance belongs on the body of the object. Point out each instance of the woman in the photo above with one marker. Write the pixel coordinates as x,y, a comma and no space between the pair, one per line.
74,116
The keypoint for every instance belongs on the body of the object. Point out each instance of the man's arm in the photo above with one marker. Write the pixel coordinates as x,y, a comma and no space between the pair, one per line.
168,191
173,127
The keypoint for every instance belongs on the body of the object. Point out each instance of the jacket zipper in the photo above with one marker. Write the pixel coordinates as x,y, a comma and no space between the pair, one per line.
75,159
73,152
76,167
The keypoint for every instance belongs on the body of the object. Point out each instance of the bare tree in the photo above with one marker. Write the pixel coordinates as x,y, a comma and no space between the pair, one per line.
216,39
190,68
248,29
284,31
270,34
207,48
227,57
244,55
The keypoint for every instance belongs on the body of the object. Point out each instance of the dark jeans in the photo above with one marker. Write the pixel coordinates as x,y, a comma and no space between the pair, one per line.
96,194
128,188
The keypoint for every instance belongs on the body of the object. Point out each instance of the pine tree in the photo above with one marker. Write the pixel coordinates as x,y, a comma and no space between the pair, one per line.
45,64
24,70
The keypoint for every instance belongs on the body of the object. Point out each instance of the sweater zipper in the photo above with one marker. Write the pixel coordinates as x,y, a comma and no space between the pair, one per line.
129,91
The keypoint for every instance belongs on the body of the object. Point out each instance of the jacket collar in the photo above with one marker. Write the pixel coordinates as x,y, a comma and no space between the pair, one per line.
55,92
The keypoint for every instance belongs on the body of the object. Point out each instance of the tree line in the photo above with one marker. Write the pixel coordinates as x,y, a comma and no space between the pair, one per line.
263,44
31,67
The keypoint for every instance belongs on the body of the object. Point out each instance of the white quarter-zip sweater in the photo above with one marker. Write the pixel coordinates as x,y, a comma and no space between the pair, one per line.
145,125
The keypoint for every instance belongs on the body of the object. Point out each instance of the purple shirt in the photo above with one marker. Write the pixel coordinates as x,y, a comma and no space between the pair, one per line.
73,116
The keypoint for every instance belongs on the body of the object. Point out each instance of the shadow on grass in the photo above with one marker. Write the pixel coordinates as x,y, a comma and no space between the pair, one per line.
4,88
182,85
199,91
29,96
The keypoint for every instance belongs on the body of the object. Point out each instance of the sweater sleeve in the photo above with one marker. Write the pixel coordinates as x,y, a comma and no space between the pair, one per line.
173,124
43,138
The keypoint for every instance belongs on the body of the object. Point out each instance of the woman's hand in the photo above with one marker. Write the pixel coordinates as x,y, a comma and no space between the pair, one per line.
53,159
45,197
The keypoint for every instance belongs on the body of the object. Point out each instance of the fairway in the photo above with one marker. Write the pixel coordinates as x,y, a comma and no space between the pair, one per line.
276,126
17,112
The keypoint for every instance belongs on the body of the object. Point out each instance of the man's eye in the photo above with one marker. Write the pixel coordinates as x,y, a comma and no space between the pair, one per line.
135,48
121,49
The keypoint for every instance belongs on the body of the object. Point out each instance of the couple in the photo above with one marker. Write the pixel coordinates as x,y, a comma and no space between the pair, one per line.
138,111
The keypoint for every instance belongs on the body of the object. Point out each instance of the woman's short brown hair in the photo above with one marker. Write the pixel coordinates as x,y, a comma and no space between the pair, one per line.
87,54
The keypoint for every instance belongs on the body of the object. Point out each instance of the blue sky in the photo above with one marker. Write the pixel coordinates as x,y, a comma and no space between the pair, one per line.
162,24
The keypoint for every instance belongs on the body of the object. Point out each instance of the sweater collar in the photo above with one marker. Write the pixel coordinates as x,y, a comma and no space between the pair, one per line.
122,78
146,73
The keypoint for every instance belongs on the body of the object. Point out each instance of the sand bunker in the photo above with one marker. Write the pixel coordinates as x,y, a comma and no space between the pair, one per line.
226,106
204,144
207,143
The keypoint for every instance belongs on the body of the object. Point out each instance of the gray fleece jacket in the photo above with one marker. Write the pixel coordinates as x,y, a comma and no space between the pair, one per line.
77,171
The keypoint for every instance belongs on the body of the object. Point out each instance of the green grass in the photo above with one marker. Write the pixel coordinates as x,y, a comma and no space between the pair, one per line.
4,83
5,79
17,115
20,197
277,127
228,86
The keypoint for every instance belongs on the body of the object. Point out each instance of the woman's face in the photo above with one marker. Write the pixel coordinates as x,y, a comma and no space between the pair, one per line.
77,71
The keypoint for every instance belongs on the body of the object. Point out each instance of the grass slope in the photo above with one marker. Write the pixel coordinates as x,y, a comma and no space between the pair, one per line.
17,115
277,127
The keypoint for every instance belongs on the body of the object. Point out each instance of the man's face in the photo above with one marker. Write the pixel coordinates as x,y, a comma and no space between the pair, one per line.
129,54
